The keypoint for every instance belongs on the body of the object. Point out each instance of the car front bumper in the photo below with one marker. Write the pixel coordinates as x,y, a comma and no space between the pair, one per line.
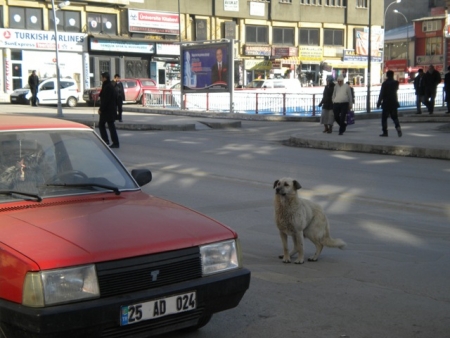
101,317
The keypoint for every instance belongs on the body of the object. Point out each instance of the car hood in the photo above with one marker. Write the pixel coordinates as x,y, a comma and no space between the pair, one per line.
20,91
64,232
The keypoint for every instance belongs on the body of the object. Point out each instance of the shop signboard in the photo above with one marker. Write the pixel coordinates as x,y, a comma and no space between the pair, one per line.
150,22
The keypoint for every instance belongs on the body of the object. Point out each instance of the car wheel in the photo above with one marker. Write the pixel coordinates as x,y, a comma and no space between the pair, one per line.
72,102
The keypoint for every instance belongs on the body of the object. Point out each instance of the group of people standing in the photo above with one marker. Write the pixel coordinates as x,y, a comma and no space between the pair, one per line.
425,86
339,98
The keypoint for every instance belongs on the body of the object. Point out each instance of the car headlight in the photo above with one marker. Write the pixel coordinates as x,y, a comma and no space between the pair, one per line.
219,257
58,286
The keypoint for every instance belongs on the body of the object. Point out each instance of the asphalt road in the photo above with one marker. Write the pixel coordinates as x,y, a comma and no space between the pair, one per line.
391,281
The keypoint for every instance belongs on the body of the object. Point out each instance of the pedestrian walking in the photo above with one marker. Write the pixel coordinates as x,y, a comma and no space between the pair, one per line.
108,111
327,116
432,78
419,87
388,100
342,103
33,83
353,92
447,89
120,92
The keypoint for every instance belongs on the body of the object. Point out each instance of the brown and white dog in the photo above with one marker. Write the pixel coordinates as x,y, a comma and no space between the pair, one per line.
300,218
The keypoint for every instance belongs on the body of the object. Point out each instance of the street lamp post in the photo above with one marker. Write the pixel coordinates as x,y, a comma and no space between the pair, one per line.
407,36
58,76
384,25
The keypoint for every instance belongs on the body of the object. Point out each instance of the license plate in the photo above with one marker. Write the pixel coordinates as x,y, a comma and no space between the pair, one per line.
13,99
132,314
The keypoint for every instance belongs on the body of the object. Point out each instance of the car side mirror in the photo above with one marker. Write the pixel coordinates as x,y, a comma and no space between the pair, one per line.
142,176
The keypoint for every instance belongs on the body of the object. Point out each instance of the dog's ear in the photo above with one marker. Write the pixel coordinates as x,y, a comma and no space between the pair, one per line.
296,185
275,183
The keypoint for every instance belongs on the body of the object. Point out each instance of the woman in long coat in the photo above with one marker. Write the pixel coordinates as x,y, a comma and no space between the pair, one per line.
327,116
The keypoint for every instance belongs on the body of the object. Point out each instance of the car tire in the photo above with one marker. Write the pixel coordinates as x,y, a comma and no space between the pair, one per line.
72,102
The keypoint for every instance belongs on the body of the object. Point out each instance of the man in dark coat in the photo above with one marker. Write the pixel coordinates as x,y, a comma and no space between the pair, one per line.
120,91
431,80
389,102
108,111
419,87
33,82
447,89
219,72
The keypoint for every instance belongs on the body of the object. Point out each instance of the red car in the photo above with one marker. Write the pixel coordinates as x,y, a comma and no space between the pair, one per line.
134,89
85,253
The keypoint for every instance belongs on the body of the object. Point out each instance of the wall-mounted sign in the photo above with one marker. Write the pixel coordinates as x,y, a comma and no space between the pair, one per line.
167,49
311,53
257,50
42,40
278,52
231,5
257,8
122,46
142,21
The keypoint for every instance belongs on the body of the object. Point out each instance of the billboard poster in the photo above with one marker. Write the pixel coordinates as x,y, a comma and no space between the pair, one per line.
206,67
362,44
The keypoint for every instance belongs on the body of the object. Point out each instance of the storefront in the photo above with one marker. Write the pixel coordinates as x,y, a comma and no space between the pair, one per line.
310,72
26,50
127,57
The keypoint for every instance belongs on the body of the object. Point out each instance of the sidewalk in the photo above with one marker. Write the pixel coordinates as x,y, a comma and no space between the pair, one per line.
426,136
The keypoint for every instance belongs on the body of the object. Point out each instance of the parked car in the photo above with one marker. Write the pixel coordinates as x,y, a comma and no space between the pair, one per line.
290,84
48,94
134,89
85,252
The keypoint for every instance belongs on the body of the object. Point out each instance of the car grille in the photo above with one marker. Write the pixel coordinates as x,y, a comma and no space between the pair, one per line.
147,272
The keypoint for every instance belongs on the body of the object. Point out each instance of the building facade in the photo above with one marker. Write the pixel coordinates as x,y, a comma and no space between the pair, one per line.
304,39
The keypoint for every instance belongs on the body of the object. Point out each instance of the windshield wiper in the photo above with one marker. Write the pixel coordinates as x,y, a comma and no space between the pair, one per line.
16,192
88,185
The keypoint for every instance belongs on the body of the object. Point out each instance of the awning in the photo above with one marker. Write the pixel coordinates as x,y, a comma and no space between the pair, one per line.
346,64
291,60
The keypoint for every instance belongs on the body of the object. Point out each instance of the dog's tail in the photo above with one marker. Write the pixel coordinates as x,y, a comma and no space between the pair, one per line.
334,243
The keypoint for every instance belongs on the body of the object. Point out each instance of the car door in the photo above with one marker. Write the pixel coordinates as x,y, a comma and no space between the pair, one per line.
47,92
131,90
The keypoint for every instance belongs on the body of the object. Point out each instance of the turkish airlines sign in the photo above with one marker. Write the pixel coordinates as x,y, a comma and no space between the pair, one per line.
141,21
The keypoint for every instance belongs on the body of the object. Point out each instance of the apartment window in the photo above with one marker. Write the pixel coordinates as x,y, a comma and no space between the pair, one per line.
434,46
336,3
361,3
333,37
283,36
309,36
1,17
286,1
431,26
67,21
256,34
102,23
25,18
311,2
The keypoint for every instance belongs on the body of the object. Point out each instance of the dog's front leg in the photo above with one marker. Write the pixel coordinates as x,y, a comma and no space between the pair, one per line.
298,244
284,240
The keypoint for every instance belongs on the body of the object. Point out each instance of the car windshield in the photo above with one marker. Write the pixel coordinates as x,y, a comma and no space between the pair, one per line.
39,164
148,83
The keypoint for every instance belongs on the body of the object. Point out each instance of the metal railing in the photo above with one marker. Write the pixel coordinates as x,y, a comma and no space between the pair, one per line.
255,102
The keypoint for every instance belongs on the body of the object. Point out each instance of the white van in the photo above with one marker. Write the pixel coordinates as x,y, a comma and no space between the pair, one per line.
285,84
48,94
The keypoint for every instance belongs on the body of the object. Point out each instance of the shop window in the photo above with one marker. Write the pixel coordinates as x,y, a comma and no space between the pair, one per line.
200,30
256,34
101,23
67,21
333,37
283,36
431,26
25,18
16,55
309,36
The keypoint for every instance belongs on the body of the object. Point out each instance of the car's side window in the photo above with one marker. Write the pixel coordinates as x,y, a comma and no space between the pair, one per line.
65,84
131,84
48,86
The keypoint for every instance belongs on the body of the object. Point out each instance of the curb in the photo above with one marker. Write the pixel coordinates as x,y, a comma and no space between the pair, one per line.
441,154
